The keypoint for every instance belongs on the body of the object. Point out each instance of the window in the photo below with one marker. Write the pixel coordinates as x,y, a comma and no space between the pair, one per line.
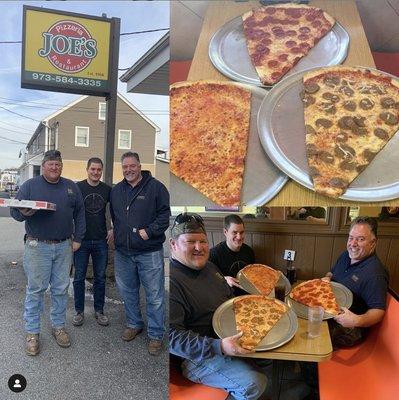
102,109
81,136
124,139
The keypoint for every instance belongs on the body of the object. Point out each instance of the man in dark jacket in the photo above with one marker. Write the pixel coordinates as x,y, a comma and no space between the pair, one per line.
140,213
197,289
51,238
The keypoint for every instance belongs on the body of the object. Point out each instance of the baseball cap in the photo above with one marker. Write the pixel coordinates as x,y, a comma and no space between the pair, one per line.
52,155
187,223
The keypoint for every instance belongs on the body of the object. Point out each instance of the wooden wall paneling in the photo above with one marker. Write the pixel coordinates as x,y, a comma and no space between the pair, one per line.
249,239
258,246
217,237
392,265
323,255
270,249
382,249
304,257
281,243
339,246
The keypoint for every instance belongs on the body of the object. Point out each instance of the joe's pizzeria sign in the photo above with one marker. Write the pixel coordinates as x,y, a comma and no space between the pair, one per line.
65,52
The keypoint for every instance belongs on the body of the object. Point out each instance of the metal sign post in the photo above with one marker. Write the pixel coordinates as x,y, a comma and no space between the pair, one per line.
109,138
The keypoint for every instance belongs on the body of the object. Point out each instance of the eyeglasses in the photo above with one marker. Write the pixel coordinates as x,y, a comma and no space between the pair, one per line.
187,218
53,153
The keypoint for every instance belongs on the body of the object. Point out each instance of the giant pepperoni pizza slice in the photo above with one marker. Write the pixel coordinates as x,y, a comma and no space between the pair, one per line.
279,36
255,317
209,123
262,277
350,115
316,292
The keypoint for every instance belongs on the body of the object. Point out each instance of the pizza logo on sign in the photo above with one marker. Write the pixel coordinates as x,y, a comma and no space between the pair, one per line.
68,46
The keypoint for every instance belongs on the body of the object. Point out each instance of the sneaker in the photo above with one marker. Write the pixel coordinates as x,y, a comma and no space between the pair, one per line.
62,337
101,318
32,344
154,347
130,333
78,319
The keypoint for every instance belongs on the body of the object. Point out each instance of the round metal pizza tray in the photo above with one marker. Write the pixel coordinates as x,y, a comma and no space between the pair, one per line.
224,324
284,141
343,295
262,179
228,52
251,289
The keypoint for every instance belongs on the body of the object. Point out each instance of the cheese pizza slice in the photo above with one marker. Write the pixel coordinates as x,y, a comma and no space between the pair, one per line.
262,277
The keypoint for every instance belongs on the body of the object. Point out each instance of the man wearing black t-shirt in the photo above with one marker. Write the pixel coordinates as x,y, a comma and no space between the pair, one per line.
361,271
95,243
233,254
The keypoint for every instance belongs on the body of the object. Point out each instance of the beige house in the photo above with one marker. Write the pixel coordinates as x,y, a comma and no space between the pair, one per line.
77,130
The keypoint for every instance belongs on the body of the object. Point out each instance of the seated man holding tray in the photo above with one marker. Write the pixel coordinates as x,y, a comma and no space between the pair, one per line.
361,271
197,289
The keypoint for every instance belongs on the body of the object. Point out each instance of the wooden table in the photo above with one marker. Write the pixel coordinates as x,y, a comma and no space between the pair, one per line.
345,11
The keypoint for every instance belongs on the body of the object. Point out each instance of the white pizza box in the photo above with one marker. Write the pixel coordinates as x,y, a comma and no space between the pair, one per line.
34,204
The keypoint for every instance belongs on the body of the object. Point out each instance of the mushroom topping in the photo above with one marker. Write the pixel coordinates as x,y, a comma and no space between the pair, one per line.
359,130
313,172
310,130
387,102
330,96
341,137
350,105
366,104
369,155
359,121
332,80
329,108
311,150
344,151
308,100
338,183
325,123
388,118
347,165
311,87
346,90
346,122
326,157
381,133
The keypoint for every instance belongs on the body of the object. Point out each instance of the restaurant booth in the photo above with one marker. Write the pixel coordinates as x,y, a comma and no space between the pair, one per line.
368,371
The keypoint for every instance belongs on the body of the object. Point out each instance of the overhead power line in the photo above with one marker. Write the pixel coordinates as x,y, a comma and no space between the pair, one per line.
21,115
122,34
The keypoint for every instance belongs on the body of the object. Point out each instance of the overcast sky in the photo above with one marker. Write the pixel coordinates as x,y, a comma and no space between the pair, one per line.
135,16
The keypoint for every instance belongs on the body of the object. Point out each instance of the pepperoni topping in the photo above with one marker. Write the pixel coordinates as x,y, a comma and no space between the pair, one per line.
290,33
290,43
310,16
270,10
283,57
272,63
285,70
293,12
276,75
277,29
316,23
266,42
303,37
254,33
257,58
304,29
296,50
304,46
261,48
250,22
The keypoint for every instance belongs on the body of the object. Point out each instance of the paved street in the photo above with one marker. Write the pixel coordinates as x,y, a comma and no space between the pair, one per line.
98,365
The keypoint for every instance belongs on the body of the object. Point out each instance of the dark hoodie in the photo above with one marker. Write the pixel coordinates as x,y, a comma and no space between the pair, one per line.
145,206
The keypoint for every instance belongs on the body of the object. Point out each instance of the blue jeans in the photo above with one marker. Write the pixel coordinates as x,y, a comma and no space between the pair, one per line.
147,269
237,376
98,249
46,264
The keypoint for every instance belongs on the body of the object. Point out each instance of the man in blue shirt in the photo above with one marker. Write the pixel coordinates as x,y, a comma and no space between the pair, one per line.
360,270
140,213
50,240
